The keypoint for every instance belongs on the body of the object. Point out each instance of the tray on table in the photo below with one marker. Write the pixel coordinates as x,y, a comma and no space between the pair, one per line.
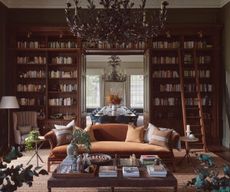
63,171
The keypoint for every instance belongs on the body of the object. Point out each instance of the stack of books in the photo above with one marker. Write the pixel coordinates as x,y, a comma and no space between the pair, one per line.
107,171
148,159
130,172
156,170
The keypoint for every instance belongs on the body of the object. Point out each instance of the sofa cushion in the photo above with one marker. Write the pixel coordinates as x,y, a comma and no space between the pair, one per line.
134,134
149,132
160,137
64,136
117,147
70,124
90,132
110,132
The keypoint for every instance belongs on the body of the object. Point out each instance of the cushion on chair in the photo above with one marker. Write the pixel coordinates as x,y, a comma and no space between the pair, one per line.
25,129
134,134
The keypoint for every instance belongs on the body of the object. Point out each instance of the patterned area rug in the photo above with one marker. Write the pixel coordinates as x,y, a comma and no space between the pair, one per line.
184,172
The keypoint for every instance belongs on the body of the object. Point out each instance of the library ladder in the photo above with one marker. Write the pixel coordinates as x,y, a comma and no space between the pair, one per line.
191,100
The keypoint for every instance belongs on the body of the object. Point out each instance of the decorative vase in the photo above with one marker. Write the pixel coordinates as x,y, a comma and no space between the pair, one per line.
114,107
71,150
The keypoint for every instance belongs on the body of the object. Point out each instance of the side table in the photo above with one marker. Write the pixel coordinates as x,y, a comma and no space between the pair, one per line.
41,140
187,149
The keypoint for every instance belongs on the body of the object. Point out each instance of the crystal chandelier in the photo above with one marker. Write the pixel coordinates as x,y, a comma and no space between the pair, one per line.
118,21
115,74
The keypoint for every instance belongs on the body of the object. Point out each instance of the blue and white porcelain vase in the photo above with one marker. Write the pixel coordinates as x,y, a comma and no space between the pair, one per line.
71,150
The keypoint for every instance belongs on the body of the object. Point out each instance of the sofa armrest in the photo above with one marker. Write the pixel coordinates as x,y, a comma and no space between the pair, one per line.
175,140
51,137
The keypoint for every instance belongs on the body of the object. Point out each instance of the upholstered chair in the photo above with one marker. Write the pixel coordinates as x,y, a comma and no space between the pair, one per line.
23,123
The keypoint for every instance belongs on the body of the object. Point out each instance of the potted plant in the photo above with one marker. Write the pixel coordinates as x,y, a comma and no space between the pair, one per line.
14,176
29,140
80,139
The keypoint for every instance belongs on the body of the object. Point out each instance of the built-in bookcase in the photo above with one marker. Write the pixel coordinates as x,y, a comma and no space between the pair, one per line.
47,62
183,48
48,65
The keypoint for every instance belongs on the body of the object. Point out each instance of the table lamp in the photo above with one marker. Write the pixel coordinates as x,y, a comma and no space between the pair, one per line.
9,102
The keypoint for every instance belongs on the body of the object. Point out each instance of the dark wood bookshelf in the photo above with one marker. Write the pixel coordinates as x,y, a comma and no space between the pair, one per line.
35,51
165,106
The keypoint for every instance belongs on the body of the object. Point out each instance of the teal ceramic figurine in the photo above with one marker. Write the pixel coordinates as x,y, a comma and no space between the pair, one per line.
208,179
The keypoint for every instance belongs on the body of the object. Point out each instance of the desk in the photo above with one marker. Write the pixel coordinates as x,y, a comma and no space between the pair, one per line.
122,114
187,150
121,110
41,140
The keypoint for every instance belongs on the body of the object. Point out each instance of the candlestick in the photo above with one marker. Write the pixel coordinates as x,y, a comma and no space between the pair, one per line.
188,128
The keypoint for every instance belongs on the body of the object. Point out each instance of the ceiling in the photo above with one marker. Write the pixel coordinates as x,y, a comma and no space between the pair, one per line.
149,3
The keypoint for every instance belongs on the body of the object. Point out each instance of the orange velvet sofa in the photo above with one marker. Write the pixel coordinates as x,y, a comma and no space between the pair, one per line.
111,140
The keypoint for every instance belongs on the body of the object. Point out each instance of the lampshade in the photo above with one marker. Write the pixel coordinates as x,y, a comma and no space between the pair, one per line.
9,102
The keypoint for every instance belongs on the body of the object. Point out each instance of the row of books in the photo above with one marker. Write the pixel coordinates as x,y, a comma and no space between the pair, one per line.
153,166
152,170
111,171
187,88
42,44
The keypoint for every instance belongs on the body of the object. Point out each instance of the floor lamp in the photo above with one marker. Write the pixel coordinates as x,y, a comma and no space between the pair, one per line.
9,102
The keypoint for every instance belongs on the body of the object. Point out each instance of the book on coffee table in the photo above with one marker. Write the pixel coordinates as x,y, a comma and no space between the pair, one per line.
148,159
156,170
107,171
130,172
127,162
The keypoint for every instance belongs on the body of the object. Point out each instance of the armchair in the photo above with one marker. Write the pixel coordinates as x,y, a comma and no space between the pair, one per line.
23,123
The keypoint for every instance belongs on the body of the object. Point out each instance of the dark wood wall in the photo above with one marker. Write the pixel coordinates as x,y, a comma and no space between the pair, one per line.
57,16
3,55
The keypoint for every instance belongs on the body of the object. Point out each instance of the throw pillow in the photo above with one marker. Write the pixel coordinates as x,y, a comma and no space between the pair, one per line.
70,124
149,132
64,136
89,130
25,129
160,137
135,134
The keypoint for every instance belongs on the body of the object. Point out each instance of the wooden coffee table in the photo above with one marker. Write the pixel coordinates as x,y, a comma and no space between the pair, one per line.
143,181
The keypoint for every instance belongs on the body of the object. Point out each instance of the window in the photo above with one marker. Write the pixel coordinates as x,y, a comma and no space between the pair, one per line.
136,91
92,91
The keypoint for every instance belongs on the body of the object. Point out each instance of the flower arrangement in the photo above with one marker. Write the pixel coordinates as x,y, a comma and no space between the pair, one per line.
114,99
